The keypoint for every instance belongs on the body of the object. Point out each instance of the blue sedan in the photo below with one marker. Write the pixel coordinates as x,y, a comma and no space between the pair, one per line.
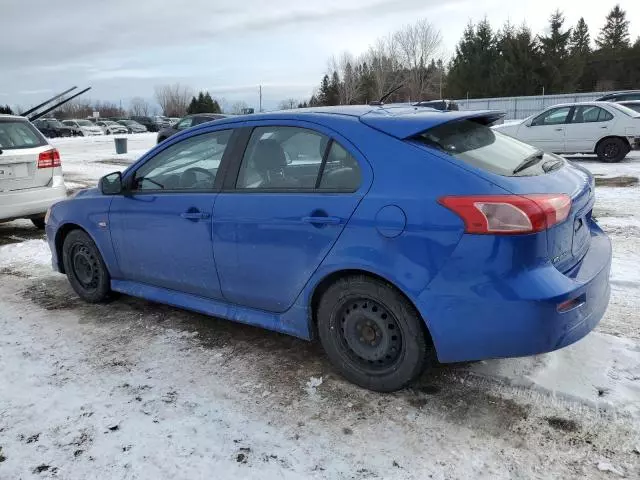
397,235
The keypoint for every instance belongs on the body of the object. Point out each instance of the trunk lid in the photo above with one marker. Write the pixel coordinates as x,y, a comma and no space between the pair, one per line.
567,242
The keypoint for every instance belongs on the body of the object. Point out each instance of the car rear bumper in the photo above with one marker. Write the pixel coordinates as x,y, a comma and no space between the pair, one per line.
32,201
516,314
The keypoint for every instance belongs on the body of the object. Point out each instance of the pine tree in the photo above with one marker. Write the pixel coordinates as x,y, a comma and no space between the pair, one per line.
615,33
6,109
557,76
520,64
580,43
193,106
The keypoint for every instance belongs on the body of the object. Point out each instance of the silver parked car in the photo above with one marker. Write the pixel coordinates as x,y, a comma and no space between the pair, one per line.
83,128
111,128
133,126
30,172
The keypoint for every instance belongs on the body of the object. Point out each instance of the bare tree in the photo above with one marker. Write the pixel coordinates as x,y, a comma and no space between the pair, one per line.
415,46
173,99
349,87
288,104
139,107
239,107
383,66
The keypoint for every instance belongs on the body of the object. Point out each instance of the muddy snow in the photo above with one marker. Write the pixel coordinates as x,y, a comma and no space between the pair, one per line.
138,390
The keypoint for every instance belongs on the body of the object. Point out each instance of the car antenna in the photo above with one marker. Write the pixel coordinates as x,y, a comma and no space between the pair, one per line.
386,95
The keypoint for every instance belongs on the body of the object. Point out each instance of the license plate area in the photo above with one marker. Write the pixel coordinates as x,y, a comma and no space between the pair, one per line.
17,170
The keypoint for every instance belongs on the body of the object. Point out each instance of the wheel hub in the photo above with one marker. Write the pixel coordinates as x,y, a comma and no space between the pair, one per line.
370,333
84,267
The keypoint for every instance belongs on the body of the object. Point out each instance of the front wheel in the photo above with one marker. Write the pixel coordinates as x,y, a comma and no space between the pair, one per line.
85,268
372,334
38,222
612,150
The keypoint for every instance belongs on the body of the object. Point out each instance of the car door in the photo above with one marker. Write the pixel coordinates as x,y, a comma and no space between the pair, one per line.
161,228
547,130
282,208
588,124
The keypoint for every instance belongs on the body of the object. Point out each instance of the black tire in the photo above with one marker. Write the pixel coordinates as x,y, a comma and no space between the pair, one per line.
38,222
612,150
372,334
85,268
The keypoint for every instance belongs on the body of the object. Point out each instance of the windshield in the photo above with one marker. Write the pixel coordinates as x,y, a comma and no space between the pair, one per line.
625,110
482,147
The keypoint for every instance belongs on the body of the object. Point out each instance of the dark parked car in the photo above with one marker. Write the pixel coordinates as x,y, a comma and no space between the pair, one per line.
445,105
186,122
51,128
148,122
620,96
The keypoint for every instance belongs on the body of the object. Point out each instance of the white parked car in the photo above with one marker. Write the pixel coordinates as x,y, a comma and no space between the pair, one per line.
30,172
83,127
607,129
111,128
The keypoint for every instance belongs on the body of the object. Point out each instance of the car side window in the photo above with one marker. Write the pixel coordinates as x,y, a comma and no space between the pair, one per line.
191,164
184,123
554,116
590,114
341,171
282,158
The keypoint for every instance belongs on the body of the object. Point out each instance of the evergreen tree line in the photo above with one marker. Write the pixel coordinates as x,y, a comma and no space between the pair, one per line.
510,61
204,103
6,109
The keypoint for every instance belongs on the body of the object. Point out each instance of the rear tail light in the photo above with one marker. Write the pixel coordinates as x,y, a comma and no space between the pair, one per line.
49,159
509,214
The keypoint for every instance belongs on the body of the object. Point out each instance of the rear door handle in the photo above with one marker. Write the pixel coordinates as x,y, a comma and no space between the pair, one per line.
604,126
322,220
559,129
195,215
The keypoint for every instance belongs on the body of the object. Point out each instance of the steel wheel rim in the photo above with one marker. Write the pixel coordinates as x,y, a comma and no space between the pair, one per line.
84,266
369,334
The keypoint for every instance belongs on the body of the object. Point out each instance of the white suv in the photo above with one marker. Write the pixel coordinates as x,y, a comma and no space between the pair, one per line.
30,172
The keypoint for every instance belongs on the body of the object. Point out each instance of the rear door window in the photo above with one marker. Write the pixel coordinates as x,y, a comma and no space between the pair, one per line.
341,171
478,145
590,114
19,134
282,158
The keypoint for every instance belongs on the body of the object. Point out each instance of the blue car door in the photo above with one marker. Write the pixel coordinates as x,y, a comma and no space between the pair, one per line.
283,206
161,227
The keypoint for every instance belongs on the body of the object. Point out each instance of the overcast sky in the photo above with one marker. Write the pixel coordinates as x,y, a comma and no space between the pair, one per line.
123,48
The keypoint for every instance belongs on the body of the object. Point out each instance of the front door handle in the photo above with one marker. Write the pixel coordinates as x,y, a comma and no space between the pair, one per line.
559,129
604,126
195,215
322,220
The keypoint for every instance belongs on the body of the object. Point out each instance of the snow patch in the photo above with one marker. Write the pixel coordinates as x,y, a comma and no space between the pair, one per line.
312,384
28,256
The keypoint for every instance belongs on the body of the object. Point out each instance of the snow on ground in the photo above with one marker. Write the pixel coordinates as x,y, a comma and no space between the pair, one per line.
138,390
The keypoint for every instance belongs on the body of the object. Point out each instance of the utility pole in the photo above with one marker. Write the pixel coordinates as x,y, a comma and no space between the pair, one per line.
260,90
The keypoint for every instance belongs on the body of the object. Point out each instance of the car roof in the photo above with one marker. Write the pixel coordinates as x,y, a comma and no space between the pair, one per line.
577,104
401,121
15,117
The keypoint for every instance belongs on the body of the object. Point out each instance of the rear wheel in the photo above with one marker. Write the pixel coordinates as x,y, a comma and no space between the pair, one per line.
372,334
85,268
612,150
38,222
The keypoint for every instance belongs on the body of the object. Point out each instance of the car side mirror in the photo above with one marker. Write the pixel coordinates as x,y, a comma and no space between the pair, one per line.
111,184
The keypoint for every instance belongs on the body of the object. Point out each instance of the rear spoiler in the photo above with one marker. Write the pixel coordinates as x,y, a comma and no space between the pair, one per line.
410,124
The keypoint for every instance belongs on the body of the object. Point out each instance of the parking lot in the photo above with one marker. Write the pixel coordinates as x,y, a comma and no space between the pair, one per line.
134,389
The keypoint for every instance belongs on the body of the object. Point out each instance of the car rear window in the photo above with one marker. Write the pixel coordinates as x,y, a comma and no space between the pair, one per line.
19,134
626,110
480,146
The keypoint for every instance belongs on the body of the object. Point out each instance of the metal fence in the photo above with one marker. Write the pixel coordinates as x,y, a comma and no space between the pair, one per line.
518,108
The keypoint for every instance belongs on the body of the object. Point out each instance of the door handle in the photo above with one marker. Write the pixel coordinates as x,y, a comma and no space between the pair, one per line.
322,220
559,129
195,215
604,126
